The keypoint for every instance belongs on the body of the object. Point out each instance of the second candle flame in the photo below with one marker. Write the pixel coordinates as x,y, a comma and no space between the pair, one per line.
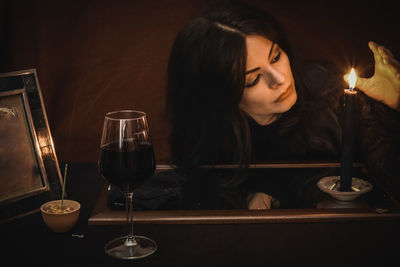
352,79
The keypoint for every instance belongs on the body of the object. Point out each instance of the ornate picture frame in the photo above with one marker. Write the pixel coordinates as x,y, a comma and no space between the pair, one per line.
29,170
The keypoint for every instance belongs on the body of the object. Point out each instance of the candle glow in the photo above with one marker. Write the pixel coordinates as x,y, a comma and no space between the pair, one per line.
352,79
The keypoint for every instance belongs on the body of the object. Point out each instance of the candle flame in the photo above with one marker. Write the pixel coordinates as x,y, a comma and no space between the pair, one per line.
352,79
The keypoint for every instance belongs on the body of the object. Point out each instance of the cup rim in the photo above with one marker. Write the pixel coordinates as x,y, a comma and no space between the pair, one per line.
78,207
139,114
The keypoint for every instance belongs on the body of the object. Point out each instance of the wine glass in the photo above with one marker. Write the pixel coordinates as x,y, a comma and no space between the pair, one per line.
126,160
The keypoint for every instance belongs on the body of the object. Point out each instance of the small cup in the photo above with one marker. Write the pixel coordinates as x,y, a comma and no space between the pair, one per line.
60,220
331,185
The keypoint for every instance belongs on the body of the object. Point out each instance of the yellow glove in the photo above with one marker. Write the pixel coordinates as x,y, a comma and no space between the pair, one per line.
384,85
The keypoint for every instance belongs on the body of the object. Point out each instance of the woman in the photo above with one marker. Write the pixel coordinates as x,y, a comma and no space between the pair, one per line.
236,94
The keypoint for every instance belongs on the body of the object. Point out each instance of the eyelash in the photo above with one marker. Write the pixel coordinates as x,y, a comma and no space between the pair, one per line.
251,84
275,59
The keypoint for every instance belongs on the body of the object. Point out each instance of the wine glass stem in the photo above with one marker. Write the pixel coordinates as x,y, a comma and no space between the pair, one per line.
130,240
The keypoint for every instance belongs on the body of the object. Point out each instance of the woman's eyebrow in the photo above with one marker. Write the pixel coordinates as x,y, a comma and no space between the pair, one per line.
269,55
271,49
252,70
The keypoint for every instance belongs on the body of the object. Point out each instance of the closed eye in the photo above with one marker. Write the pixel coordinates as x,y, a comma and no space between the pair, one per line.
276,58
254,82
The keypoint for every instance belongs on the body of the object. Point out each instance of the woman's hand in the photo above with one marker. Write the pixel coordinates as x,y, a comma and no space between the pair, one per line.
261,201
384,85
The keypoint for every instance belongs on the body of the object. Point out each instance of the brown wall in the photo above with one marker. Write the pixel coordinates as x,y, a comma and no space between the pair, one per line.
97,56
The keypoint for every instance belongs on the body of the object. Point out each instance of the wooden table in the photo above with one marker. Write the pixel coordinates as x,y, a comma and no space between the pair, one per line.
326,237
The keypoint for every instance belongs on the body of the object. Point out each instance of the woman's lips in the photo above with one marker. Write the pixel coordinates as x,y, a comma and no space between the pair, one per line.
284,95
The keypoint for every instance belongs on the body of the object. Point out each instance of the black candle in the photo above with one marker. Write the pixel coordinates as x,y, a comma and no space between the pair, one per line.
349,102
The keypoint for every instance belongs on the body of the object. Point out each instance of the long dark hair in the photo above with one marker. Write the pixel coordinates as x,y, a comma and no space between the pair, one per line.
206,79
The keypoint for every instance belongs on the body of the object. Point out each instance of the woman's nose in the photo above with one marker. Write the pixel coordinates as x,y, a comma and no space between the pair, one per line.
273,78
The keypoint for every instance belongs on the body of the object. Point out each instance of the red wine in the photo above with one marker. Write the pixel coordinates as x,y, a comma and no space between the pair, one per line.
127,167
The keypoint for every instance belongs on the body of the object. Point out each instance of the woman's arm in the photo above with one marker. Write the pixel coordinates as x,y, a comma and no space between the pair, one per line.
384,85
379,136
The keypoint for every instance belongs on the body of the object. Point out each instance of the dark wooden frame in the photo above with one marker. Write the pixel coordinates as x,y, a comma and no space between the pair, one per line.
26,82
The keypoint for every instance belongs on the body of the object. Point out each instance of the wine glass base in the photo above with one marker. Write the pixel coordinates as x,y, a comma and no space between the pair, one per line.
120,248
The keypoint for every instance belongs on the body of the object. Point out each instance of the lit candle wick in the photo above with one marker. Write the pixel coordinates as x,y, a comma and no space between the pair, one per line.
352,79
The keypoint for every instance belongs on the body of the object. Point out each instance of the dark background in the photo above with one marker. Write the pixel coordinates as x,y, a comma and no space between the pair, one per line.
94,56
98,56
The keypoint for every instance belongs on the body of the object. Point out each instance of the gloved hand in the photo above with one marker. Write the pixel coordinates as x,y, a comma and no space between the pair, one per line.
384,85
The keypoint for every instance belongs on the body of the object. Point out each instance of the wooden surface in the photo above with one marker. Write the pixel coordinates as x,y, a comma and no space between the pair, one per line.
102,215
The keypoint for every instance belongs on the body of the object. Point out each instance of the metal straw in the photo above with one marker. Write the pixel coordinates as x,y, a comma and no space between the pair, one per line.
64,182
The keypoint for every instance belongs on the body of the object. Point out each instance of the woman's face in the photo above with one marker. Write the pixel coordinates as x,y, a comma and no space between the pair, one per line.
270,88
